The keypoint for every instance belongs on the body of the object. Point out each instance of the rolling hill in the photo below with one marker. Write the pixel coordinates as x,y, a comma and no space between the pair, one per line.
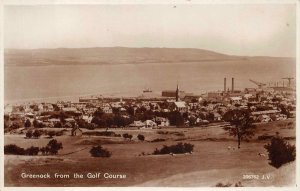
113,55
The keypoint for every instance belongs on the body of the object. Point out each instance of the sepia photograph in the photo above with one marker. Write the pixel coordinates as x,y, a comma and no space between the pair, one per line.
141,94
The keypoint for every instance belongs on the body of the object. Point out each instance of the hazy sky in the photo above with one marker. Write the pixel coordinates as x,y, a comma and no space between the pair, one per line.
268,30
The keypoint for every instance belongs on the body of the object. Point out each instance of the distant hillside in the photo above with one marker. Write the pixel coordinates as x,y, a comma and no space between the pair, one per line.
114,55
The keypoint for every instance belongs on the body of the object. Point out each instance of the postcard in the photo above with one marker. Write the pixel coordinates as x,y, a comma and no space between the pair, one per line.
149,94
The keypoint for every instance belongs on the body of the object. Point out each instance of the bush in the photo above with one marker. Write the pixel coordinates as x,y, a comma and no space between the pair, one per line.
141,137
45,150
280,152
162,132
158,140
90,126
36,134
53,147
220,184
27,123
32,150
51,134
127,136
13,149
29,134
58,125
98,151
265,137
59,133
102,133
176,149
177,133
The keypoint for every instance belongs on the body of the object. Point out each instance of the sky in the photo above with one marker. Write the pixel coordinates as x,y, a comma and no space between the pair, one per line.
237,29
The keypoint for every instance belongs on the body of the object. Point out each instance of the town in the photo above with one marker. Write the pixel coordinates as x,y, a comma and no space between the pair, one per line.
173,108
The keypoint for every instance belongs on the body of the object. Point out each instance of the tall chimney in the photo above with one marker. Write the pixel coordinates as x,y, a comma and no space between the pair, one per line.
232,86
224,84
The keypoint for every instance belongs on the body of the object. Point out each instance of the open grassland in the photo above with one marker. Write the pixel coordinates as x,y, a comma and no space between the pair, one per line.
210,163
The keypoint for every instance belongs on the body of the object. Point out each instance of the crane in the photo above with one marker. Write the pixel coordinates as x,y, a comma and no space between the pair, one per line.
289,79
259,84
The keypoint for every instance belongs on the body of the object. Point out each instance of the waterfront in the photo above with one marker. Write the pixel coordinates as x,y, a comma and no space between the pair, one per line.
31,82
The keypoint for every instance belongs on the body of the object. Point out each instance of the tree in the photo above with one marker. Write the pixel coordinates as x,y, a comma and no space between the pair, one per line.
176,118
53,146
58,125
27,123
29,134
205,103
98,151
192,120
13,149
35,123
51,134
211,117
241,124
32,150
130,110
36,134
127,136
15,126
141,137
98,113
280,152
179,148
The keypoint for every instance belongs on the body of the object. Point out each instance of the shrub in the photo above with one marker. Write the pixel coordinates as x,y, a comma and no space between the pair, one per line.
107,133
59,133
162,132
45,150
29,134
32,150
58,125
90,126
51,134
158,140
13,149
265,137
14,126
102,133
220,184
54,146
98,151
27,123
36,134
178,133
141,137
127,136
176,149
280,152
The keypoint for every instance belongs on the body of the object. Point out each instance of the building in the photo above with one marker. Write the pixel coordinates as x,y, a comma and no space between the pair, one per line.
172,93
179,106
150,124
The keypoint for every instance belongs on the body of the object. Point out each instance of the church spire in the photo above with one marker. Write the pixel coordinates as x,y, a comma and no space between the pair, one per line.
177,93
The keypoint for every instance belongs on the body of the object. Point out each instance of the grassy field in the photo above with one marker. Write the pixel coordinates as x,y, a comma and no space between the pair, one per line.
209,164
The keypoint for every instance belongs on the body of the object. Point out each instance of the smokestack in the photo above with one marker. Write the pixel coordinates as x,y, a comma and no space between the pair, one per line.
224,84
232,86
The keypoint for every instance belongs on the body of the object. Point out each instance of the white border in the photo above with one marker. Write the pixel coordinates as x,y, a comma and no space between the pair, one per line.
81,2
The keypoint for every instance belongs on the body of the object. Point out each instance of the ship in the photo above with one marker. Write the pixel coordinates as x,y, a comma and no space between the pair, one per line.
147,90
